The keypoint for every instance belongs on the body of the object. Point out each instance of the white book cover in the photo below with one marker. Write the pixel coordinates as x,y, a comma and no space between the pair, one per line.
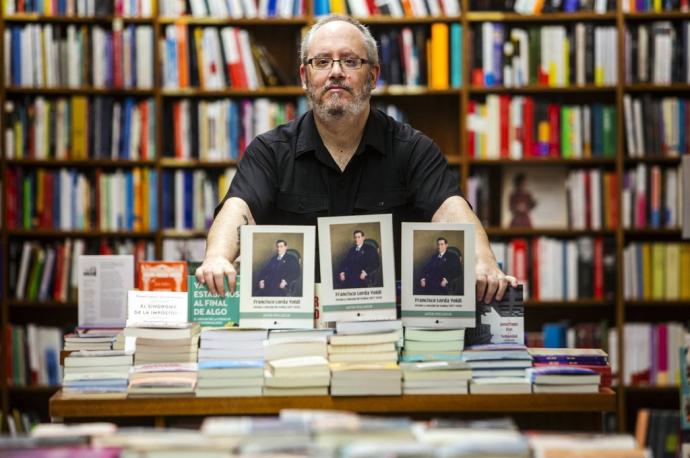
277,268
357,268
438,285
103,283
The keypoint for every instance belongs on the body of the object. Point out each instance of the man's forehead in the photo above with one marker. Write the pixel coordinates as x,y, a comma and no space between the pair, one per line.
337,36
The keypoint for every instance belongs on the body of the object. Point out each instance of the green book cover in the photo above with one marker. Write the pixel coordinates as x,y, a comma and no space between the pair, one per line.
210,310
609,131
35,274
566,130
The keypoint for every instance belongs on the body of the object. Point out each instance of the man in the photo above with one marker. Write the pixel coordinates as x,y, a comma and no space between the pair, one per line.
356,268
442,274
276,275
341,158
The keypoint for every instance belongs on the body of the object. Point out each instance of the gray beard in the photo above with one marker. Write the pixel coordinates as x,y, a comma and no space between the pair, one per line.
331,109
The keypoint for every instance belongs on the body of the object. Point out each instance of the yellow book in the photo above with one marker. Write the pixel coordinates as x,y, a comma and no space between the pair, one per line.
198,40
39,198
544,132
439,56
646,271
145,201
338,7
657,6
598,76
482,135
685,270
658,270
566,62
18,140
80,108
672,287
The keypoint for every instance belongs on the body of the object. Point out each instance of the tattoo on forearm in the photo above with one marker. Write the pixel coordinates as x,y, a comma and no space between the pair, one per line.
239,228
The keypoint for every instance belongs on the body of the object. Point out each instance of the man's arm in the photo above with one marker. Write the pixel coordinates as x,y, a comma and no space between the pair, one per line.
490,280
223,245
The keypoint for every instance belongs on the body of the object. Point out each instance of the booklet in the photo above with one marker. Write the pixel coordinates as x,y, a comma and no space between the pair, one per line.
103,283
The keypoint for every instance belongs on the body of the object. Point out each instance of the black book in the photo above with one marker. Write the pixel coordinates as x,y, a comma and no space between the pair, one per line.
420,39
585,267
15,253
96,127
609,262
194,79
385,56
169,129
194,127
396,71
107,126
570,35
631,38
589,53
104,8
477,48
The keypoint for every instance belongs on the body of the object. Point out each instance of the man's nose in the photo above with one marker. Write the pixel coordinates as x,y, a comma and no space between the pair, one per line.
336,69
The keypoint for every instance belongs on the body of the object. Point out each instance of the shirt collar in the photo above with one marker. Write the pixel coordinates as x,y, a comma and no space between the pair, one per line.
307,136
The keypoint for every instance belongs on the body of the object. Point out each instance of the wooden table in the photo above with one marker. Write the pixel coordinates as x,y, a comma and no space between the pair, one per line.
161,408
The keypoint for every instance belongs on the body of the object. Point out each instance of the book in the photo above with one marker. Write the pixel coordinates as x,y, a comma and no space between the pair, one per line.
162,275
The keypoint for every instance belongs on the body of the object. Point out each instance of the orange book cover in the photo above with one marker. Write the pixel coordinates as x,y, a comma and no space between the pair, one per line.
162,276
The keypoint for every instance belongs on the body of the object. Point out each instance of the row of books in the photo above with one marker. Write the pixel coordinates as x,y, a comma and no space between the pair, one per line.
561,269
564,334
655,6
213,58
541,6
47,55
652,197
191,196
80,8
419,56
550,55
80,127
392,8
46,271
33,356
652,353
517,127
67,199
657,52
232,9
215,130
656,271
656,126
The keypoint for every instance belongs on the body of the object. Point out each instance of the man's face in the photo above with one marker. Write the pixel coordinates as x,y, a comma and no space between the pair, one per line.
359,239
282,248
338,92
442,245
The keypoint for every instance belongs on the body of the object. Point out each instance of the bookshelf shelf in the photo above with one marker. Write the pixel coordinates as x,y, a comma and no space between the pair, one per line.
648,389
652,160
84,90
87,233
673,87
651,16
282,91
483,16
542,89
658,303
576,303
90,163
182,163
24,303
183,234
113,408
239,22
552,232
87,20
388,20
546,161
33,389
395,90
649,232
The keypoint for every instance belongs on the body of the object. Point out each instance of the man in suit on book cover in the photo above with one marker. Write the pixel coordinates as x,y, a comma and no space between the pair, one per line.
277,273
342,157
357,267
442,274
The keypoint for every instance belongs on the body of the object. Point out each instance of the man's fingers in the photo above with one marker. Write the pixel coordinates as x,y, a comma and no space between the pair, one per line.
232,280
199,274
491,287
502,286
512,280
481,286
210,283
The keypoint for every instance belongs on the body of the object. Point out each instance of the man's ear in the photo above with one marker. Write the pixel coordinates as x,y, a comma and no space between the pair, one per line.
375,73
303,76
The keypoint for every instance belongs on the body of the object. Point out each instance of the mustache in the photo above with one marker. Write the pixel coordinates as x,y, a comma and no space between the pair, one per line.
337,86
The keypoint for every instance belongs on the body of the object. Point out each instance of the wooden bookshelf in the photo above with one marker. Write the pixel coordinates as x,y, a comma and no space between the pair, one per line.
484,16
161,408
542,89
552,232
546,161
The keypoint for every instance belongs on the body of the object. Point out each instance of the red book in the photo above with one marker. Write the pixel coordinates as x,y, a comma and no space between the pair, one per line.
534,290
471,108
478,77
519,260
59,270
236,68
8,355
177,128
104,248
117,58
661,369
144,143
504,116
182,55
373,9
11,187
555,129
528,121
162,275
46,221
598,268
613,197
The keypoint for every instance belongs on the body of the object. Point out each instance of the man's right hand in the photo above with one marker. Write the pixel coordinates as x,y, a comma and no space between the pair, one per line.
213,271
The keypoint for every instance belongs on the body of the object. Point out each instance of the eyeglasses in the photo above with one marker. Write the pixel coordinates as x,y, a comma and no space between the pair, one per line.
326,63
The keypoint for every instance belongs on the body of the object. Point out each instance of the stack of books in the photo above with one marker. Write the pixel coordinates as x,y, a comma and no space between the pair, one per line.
435,377
498,368
171,379
592,359
296,363
90,339
96,374
366,379
433,344
232,344
230,378
563,379
164,342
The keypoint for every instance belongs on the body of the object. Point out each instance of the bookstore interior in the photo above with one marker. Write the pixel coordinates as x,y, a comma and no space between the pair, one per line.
566,124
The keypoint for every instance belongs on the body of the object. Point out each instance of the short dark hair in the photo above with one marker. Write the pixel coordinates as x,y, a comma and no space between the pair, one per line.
442,238
281,241
358,230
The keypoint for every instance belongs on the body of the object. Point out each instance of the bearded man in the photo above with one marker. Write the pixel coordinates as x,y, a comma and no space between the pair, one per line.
341,158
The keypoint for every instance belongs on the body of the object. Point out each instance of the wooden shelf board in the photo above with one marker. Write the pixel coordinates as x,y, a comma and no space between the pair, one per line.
34,390
148,407
400,90
576,303
652,160
653,16
183,234
658,303
541,89
483,16
237,22
42,233
388,20
536,232
546,161
32,17
168,162
51,304
648,232
673,87
83,90
283,91
82,162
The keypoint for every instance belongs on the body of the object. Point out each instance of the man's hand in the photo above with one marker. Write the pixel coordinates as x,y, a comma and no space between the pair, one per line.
282,284
422,282
342,276
262,284
444,282
213,271
491,281
362,275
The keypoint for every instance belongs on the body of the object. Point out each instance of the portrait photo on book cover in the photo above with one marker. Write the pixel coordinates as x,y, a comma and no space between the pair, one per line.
356,255
277,264
534,197
438,262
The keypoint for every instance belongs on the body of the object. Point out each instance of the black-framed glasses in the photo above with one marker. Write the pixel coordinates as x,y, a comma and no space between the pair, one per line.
347,63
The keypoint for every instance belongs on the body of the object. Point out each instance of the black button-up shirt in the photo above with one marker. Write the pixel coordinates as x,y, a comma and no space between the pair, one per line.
288,177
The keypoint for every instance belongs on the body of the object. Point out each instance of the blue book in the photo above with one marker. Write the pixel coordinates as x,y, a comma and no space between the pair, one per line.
133,53
126,128
555,335
234,129
681,116
109,70
272,8
455,55
16,56
322,7
129,200
498,40
570,6
171,72
153,199
73,201
188,200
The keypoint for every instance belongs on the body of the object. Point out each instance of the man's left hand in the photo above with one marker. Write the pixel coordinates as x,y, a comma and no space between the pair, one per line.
491,282
282,284
363,275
